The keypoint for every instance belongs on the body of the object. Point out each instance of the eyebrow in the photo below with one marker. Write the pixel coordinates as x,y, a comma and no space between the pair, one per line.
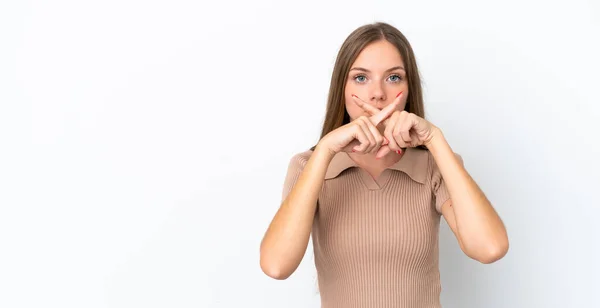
367,71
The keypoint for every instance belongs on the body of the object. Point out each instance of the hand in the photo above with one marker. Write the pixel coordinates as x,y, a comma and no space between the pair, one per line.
402,129
361,135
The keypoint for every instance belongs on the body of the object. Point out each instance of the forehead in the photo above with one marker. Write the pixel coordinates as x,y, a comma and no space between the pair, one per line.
379,56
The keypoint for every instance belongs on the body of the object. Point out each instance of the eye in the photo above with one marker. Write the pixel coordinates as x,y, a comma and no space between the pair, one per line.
360,78
395,78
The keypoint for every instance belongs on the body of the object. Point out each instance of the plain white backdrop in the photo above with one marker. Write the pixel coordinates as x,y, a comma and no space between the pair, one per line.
144,144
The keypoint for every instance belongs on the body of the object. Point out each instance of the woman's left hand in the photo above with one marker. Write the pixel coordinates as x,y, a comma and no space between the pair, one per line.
402,129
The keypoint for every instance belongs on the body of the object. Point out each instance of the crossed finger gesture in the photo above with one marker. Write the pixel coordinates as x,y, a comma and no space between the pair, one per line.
402,129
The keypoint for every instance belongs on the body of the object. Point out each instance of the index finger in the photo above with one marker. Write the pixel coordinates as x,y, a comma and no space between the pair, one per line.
386,111
372,110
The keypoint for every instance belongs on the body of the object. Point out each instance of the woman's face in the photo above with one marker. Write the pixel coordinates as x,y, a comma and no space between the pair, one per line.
376,77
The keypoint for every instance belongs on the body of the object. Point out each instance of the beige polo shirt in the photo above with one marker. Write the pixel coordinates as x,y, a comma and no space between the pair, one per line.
376,241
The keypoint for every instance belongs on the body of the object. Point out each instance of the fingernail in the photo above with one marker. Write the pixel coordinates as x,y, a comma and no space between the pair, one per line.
399,151
354,96
399,94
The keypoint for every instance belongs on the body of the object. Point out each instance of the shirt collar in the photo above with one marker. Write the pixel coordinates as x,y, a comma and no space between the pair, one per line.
413,163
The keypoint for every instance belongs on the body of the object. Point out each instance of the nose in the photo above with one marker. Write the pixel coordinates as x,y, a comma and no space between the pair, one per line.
377,95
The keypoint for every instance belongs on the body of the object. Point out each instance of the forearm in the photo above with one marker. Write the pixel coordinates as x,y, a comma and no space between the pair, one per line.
286,239
480,229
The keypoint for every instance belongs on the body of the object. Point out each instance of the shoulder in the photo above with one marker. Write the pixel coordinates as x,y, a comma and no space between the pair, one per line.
299,160
295,167
302,156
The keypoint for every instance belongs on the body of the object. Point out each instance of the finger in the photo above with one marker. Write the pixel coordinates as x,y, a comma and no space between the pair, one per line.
376,134
386,111
406,127
372,110
383,151
350,146
396,134
415,138
363,122
399,130
362,138
401,144
405,135
388,133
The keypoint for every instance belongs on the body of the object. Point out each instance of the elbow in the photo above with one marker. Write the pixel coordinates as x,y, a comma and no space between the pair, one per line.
273,267
274,273
493,253
273,270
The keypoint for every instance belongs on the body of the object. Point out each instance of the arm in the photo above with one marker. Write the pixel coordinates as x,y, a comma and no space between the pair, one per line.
286,239
478,228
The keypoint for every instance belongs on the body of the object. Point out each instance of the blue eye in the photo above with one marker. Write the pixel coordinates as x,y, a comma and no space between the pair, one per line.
356,78
397,78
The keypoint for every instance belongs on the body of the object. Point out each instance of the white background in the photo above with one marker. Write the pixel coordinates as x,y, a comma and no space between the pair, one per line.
144,144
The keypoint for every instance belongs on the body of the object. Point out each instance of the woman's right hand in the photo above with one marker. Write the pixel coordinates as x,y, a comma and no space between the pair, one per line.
361,135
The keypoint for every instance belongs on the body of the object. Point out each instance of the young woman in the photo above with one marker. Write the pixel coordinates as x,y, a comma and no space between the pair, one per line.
372,190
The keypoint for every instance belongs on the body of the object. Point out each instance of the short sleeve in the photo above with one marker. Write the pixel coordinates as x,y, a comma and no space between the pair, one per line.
295,167
439,186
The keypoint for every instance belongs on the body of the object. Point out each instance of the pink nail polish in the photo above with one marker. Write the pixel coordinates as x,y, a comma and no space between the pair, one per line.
399,152
399,94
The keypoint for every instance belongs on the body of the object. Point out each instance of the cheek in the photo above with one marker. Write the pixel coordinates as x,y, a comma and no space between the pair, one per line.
353,110
402,105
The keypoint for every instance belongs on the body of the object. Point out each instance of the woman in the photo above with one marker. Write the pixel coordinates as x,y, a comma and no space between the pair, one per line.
373,189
